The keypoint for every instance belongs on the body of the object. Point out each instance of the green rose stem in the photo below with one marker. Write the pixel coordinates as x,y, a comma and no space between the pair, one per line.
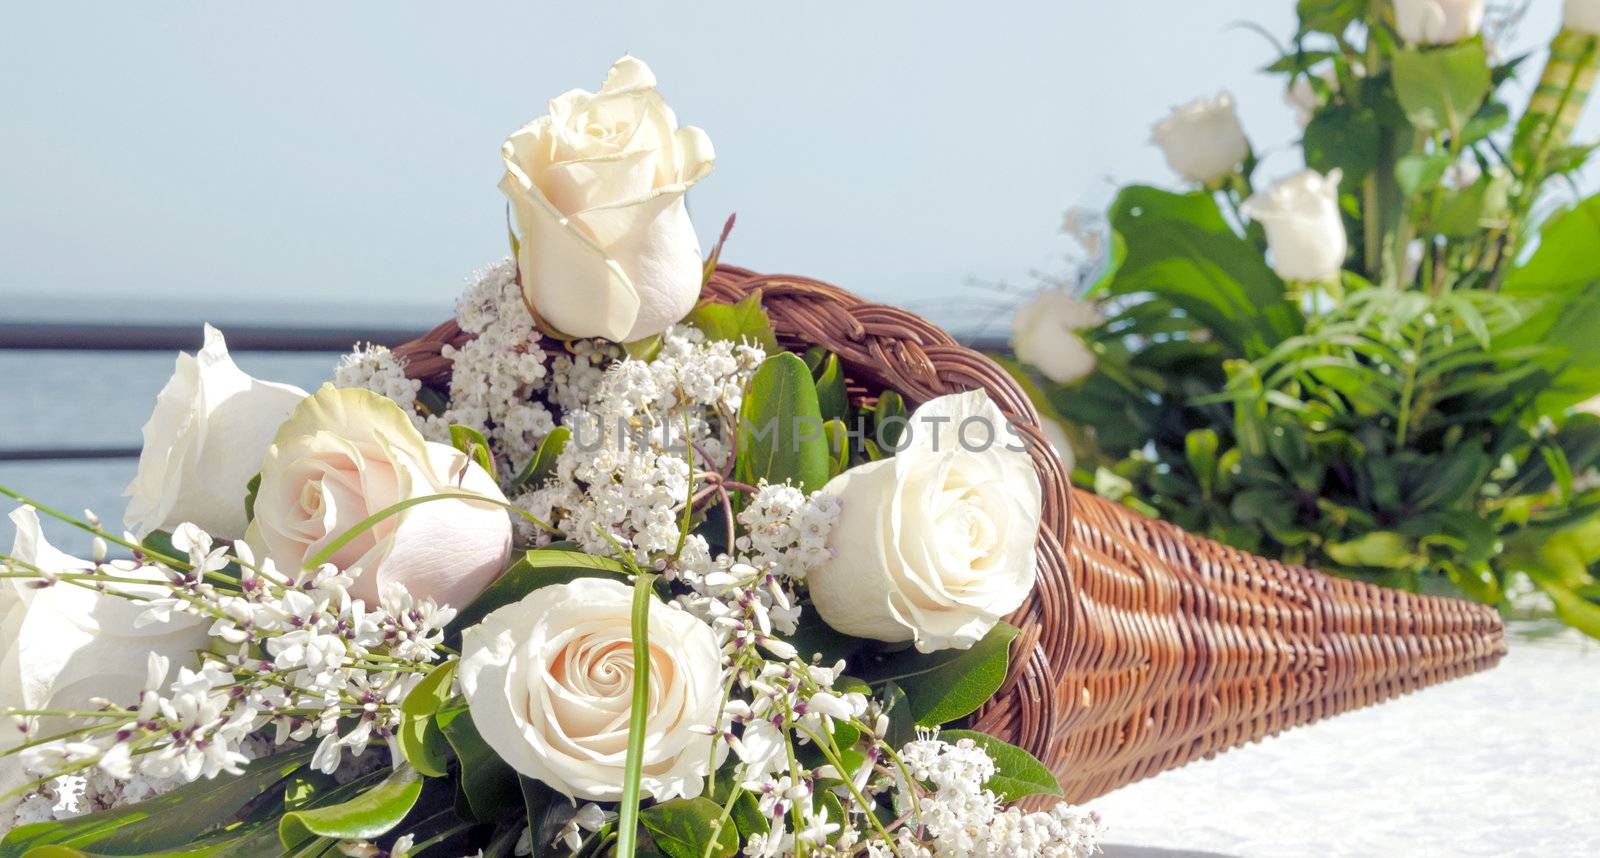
628,812
376,518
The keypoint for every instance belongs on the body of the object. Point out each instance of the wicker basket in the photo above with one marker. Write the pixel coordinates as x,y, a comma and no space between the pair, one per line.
1142,647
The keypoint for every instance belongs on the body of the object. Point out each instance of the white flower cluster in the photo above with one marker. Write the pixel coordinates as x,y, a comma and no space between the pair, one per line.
960,818
292,651
497,379
636,427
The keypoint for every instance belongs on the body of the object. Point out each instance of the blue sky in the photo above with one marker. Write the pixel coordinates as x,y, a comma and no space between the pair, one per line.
348,153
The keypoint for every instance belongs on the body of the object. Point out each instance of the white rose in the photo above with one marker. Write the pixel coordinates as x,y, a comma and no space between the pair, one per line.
1583,16
1203,140
204,443
607,248
345,455
1438,22
1044,335
550,684
63,646
935,544
1305,231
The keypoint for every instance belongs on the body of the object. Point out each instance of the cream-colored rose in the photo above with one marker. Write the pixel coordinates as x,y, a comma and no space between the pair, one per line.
345,455
64,646
204,443
1203,140
1583,16
607,248
1305,231
1438,22
935,544
1044,335
550,683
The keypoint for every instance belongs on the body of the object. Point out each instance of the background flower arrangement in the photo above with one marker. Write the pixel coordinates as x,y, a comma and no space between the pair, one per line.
1376,366
671,591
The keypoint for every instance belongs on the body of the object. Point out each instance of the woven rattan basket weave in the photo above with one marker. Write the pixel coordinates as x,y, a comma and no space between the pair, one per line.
1143,647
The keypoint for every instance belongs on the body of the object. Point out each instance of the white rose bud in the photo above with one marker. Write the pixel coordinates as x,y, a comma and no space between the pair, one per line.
607,248
62,646
1044,335
1583,16
550,684
203,444
345,455
1438,22
1203,140
1305,232
936,544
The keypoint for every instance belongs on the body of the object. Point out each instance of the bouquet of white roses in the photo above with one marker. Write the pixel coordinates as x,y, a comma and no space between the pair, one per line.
673,590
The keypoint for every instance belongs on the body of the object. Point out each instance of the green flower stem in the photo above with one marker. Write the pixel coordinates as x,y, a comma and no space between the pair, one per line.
628,811
377,518
85,526
727,813
831,752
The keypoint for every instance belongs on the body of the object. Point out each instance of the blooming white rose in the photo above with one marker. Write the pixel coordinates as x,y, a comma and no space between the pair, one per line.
1583,16
1305,231
64,646
607,248
935,544
1203,140
1438,22
204,443
345,455
1044,335
550,684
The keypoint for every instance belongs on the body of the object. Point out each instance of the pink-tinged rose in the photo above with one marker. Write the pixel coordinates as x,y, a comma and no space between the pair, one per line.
345,455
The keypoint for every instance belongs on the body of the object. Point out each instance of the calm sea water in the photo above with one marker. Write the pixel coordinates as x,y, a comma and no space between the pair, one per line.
99,399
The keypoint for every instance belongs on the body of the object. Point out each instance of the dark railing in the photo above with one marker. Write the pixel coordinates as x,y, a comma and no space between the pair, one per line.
167,338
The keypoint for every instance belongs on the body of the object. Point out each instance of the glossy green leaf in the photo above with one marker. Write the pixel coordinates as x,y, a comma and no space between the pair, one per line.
780,426
832,398
889,420
682,828
372,812
543,464
421,741
838,438
745,321
542,567
470,441
167,822
1343,137
1017,773
488,788
943,686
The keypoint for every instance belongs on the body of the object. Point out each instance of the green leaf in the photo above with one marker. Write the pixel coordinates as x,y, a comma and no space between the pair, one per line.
1343,137
645,349
536,804
1420,173
745,321
1179,248
780,426
369,814
1442,88
1200,450
832,399
251,489
1328,16
682,828
943,686
889,420
1562,280
1380,549
170,821
902,723
470,441
543,567
1017,773
421,741
838,438
543,464
488,787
